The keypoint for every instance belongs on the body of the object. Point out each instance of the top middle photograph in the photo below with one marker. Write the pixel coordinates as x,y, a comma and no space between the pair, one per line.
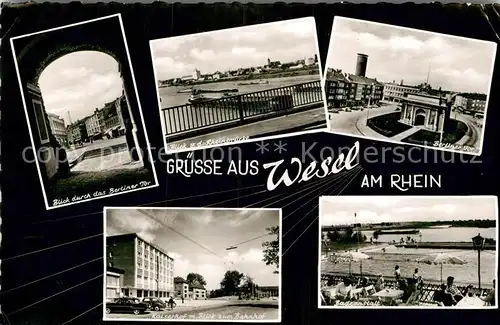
240,84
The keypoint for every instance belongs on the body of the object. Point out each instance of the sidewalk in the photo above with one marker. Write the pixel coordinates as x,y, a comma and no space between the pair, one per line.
283,123
97,144
405,134
120,160
197,304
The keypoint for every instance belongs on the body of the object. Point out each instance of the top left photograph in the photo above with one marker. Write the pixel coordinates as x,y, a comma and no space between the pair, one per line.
83,112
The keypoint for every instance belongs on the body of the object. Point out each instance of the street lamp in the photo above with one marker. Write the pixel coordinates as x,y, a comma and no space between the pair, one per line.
478,244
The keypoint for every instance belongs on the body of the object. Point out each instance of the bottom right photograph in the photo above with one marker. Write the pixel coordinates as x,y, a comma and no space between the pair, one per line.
408,252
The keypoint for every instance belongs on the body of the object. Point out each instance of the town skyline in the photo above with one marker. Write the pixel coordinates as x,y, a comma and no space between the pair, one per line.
79,83
396,53
210,232
231,49
376,209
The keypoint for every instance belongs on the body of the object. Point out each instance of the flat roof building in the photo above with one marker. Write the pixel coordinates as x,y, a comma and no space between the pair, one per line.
148,269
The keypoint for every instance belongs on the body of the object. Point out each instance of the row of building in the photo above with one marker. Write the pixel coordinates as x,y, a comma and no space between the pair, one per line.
345,89
197,76
104,122
137,268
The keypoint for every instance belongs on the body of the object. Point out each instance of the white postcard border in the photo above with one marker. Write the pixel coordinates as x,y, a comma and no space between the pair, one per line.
280,269
21,89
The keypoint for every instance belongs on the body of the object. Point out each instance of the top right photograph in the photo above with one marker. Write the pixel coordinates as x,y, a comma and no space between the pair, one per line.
408,86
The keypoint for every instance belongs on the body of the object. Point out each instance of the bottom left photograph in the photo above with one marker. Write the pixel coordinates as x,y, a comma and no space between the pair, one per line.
192,264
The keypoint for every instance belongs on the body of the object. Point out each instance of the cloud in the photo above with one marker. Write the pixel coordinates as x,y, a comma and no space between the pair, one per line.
133,223
79,83
397,53
235,48
244,216
202,55
341,211
168,64
446,208
75,73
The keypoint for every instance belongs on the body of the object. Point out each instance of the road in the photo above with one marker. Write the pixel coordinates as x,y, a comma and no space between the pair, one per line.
97,144
354,122
475,132
236,311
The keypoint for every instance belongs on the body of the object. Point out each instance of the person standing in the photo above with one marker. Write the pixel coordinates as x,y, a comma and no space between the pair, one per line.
397,273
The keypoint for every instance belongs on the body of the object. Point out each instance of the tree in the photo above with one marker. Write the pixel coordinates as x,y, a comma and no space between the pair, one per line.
193,278
272,248
249,286
231,282
179,279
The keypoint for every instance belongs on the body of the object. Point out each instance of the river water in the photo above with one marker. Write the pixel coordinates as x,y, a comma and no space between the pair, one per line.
452,234
187,118
170,96
384,262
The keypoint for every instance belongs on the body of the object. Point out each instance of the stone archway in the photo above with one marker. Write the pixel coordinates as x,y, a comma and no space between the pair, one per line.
419,117
35,52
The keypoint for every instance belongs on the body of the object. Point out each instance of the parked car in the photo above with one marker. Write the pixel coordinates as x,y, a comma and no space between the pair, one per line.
155,304
126,305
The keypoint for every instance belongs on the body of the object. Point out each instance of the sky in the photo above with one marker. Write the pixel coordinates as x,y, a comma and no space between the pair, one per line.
80,82
212,229
395,53
234,48
339,210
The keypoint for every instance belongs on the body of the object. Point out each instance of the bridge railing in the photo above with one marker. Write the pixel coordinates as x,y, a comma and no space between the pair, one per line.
241,108
426,294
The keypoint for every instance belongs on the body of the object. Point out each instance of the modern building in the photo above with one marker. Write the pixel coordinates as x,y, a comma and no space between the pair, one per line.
197,292
396,92
269,291
149,270
337,88
58,128
181,289
429,112
471,104
114,282
344,89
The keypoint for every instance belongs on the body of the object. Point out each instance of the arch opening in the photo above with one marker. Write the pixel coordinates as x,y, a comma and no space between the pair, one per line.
419,117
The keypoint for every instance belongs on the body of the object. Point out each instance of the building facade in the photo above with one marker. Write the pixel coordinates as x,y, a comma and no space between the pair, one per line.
344,89
470,104
182,289
337,89
196,74
428,112
114,282
268,292
113,123
197,292
94,124
149,271
58,128
396,92
77,132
